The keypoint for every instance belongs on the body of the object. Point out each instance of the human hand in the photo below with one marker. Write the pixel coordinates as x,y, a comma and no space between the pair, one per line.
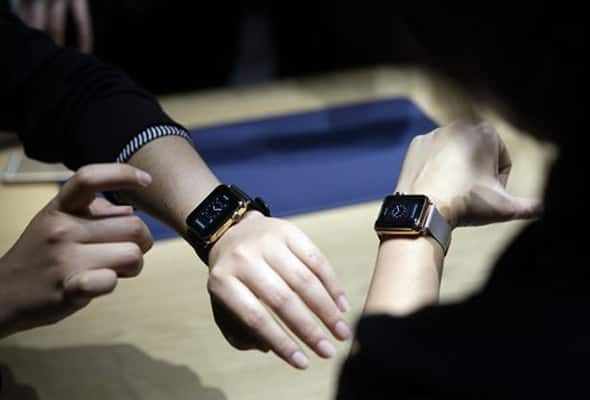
263,265
464,169
51,16
73,250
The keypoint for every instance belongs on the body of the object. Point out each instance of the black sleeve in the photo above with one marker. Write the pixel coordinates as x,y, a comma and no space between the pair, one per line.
523,336
404,358
66,106
457,352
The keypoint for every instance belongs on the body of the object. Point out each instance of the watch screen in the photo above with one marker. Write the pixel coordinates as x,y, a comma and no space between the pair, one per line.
401,212
217,208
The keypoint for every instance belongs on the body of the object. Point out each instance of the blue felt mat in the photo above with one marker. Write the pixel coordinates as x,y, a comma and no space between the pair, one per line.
315,160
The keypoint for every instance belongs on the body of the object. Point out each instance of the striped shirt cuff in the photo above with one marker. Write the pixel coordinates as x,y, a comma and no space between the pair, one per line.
147,135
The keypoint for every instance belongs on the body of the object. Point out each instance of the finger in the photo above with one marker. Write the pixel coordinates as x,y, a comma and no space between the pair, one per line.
22,9
234,330
526,208
89,284
80,190
511,207
101,208
312,257
118,229
124,258
83,21
289,308
504,163
37,14
238,298
310,289
56,25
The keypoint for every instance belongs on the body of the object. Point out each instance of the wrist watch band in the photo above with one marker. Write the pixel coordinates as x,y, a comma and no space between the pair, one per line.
412,216
438,228
222,208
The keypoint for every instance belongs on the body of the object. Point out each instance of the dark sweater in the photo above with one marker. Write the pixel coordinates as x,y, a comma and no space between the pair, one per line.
66,106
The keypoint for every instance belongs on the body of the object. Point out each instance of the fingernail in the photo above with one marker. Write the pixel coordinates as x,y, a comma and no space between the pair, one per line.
326,348
343,303
144,178
342,330
299,360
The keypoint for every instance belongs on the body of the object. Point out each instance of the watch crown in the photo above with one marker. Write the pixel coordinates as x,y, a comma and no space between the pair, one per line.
235,216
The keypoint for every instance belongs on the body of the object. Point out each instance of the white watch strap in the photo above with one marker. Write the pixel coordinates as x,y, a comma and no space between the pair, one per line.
438,228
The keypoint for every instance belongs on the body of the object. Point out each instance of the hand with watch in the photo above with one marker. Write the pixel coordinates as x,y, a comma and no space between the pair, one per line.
259,263
454,176
268,282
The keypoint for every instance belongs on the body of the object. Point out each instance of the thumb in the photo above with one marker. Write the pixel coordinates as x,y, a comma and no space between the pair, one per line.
526,207
521,207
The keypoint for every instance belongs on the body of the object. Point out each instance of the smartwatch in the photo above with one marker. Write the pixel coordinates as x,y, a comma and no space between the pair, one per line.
221,209
412,216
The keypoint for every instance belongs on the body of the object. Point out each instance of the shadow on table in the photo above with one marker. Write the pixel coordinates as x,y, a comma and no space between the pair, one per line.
117,372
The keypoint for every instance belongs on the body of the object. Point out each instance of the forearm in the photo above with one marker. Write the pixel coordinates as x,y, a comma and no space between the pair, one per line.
407,276
180,180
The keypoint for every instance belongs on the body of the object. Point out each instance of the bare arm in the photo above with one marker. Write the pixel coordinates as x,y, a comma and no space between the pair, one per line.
180,180
463,169
406,277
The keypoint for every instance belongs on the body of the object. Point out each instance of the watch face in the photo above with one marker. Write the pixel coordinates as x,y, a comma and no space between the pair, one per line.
213,212
402,212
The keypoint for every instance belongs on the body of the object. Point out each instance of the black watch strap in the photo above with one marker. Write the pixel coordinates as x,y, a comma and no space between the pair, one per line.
202,249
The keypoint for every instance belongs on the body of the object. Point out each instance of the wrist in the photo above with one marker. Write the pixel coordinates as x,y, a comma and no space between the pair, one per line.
251,216
217,215
410,216
406,277
445,209
444,206
406,248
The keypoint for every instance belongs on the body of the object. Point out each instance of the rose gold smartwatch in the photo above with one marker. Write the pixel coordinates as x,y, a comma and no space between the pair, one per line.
412,216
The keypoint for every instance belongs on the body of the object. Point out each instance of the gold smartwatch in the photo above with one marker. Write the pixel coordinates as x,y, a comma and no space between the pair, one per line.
412,216
221,209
